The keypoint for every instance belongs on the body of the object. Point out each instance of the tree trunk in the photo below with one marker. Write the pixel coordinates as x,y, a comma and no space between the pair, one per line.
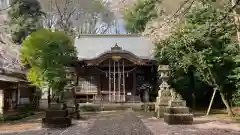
229,109
193,101
75,101
237,20
192,79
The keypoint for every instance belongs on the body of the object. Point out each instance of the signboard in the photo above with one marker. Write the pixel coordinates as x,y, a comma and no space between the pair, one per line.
116,57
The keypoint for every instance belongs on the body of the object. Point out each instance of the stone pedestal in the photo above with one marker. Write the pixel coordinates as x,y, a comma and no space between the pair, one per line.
162,101
161,106
177,113
56,117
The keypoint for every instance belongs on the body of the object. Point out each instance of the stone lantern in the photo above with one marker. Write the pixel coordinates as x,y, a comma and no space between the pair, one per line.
58,115
70,75
164,92
169,104
71,80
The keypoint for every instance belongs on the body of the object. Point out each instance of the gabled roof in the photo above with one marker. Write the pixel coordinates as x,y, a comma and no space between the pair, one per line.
92,46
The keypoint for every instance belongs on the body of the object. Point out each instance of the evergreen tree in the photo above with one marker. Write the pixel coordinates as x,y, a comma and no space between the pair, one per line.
25,18
142,12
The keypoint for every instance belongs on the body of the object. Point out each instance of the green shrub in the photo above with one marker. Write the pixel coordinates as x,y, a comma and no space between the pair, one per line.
16,117
89,108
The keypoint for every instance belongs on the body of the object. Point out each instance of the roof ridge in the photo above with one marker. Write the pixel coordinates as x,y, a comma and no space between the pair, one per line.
110,35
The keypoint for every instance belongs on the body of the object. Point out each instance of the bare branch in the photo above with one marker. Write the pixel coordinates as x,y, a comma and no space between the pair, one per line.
70,15
65,7
59,12
161,28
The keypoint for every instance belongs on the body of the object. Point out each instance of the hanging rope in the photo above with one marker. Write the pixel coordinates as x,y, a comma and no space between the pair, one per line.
129,71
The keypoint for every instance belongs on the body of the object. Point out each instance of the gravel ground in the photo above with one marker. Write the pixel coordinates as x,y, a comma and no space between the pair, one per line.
201,126
78,128
132,123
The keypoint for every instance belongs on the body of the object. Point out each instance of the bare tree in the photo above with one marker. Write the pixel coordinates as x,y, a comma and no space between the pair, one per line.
76,16
9,52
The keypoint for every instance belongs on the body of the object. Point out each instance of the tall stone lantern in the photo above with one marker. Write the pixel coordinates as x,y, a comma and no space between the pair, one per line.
69,87
164,92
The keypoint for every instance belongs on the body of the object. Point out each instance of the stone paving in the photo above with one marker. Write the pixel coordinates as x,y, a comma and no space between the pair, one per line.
119,124
132,123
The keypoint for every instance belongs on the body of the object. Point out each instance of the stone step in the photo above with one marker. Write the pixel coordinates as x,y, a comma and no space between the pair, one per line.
172,119
177,110
56,113
58,122
177,103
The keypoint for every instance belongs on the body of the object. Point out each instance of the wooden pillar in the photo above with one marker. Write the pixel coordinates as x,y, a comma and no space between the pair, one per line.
1,101
18,94
109,80
114,82
88,83
134,86
119,81
124,91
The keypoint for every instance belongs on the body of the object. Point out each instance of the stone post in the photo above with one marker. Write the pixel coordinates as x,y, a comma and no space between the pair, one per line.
164,92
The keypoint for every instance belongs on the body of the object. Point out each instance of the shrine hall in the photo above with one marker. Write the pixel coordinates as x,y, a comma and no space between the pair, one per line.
113,67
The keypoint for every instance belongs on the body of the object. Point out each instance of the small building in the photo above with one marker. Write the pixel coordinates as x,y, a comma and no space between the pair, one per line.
113,67
15,91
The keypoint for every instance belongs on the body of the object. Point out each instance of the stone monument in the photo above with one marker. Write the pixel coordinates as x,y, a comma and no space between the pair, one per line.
164,92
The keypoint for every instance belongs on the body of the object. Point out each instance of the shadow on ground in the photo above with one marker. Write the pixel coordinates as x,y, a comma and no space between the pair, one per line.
202,121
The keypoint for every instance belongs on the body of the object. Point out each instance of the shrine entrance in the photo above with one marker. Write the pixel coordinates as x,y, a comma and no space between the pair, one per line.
116,77
117,80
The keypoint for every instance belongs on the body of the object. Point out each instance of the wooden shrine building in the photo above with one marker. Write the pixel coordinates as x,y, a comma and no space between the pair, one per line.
112,67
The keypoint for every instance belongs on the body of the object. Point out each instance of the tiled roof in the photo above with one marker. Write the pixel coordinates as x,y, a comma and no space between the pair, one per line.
91,46
7,78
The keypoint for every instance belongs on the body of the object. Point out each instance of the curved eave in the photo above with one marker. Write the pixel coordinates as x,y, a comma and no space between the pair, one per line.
123,54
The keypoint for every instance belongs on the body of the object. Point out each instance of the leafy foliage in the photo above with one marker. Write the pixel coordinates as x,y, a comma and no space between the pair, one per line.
47,54
205,45
25,18
235,78
142,12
